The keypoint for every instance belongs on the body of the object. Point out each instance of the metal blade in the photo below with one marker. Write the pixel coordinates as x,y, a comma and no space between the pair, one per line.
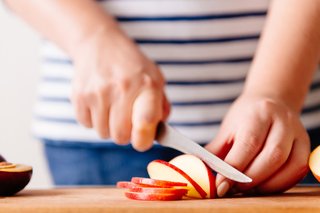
167,136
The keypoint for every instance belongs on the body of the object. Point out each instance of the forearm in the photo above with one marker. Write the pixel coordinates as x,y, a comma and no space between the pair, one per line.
67,23
288,53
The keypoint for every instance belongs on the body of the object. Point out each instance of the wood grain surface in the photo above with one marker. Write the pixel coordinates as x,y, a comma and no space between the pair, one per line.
78,200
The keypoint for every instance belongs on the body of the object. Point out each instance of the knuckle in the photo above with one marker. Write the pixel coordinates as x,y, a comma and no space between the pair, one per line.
101,90
277,156
124,84
150,119
289,117
250,143
150,82
77,97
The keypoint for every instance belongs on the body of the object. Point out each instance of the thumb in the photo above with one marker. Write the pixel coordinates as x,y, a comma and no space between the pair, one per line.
146,114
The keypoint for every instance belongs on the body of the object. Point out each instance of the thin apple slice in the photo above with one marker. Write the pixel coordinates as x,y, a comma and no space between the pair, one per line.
152,196
155,182
130,185
198,171
177,191
125,184
162,170
314,163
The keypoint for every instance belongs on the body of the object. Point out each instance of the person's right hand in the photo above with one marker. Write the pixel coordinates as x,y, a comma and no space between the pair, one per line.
117,90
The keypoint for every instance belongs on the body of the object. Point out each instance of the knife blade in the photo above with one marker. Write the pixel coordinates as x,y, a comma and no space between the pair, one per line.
169,137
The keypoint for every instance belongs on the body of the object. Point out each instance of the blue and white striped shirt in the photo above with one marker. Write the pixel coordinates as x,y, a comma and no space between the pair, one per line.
204,49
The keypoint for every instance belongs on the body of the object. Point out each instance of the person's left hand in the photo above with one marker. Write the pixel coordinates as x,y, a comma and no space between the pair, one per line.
265,139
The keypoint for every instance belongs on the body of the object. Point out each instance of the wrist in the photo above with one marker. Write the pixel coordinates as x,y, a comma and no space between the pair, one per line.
91,35
288,98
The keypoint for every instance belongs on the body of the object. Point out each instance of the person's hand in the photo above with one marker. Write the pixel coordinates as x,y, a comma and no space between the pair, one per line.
265,139
117,90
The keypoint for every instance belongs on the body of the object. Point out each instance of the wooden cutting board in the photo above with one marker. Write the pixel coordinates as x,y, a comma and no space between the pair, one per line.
298,199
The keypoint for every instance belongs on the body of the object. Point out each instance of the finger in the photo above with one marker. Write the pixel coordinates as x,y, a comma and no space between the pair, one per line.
248,141
221,144
100,119
82,112
292,172
100,106
120,119
274,154
147,112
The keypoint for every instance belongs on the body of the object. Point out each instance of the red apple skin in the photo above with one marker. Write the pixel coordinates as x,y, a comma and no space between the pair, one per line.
13,182
152,196
199,189
154,182
212,181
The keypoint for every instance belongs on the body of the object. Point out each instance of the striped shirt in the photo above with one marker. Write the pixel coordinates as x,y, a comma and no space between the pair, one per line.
204,49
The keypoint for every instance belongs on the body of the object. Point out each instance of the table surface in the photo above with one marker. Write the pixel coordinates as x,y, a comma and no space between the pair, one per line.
108,199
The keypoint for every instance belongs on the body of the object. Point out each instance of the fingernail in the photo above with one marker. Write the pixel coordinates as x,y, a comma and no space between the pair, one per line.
219,179
223,188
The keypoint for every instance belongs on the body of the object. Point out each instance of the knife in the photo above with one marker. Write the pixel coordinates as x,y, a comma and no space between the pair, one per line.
169,137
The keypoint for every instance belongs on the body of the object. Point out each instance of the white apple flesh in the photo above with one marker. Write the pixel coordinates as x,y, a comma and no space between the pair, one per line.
314,163
198,171
162,170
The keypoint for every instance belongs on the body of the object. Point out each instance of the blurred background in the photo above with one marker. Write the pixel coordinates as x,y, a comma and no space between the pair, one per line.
19,69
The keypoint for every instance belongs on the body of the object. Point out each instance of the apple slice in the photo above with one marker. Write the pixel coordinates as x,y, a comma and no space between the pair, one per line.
314,163
177,191
162,170
130,185
126,184
198,171
155,182
153,196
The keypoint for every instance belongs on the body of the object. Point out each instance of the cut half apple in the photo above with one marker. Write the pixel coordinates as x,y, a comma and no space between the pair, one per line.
162,170
314,163
13,177
198,171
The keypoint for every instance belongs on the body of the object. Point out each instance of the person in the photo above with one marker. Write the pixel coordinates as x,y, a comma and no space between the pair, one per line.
121,64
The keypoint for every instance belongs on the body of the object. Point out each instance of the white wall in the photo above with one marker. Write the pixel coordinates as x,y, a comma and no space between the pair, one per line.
19,73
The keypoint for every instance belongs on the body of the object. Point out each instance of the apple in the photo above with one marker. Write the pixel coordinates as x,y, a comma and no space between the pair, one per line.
198,171
153,196
13,177
155,182
162,170
314,163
